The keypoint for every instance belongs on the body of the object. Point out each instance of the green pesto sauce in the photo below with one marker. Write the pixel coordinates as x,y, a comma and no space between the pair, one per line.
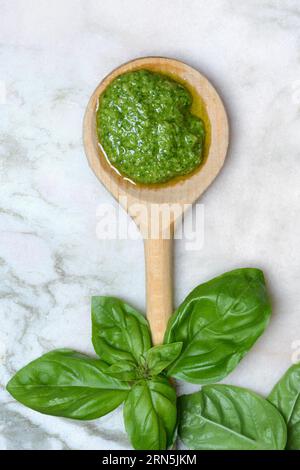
146,129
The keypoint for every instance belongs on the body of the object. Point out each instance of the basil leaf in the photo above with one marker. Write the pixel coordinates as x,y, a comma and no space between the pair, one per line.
123,371
119,333
66,383
286,397
218,323
161,356
223,417
150,414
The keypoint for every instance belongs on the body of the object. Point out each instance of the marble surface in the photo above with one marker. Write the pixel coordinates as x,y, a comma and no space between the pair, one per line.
52,55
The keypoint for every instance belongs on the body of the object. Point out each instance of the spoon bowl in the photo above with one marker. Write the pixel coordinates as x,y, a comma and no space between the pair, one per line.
180,192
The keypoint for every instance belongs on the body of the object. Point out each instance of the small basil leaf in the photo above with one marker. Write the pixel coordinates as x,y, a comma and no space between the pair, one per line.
66,383
161,356
123,371
286,397
150,414
119,333
218,323
223,417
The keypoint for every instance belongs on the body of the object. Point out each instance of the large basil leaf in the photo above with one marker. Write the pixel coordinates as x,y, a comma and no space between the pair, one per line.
66,383
223,417
150,414
161,356
286,397
119,333
218,323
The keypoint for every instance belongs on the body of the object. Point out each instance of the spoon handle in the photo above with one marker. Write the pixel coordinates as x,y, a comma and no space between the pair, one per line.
158,260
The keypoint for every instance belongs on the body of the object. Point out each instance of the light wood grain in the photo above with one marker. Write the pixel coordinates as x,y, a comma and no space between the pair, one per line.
181,191
158,262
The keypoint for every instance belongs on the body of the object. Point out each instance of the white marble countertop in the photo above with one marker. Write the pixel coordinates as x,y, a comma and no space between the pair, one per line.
52,55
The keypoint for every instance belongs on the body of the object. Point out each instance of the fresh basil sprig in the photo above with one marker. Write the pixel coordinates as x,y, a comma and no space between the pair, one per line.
66,383
230,418
286,397
206,338
218,323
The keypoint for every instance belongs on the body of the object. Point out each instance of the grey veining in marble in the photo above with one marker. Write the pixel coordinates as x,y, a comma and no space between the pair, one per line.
52,55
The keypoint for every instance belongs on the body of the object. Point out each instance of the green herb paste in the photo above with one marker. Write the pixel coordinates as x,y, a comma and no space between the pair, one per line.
146,129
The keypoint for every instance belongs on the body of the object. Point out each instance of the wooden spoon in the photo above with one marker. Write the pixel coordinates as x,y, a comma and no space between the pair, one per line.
182,191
